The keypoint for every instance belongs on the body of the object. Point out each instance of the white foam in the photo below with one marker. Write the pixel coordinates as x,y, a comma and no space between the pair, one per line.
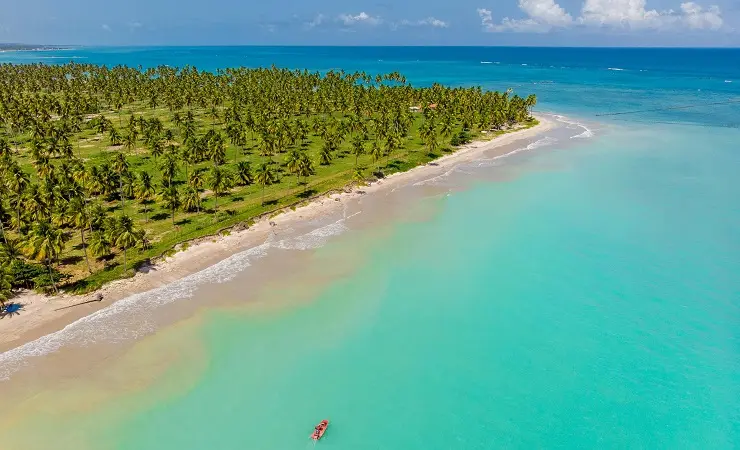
435,178
548,140
616,69
316,238
587,132
129,318
486,62
728,81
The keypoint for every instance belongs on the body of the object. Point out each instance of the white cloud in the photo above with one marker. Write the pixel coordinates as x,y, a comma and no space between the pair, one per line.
318,20
428,22
697,18
362,17
486,18
623,13
105,27
269,27
546,12
545,15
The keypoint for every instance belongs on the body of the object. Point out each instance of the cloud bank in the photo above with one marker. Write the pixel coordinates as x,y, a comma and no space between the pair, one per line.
546,15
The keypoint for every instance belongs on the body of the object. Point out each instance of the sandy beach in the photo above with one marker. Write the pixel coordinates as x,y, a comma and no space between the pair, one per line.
41,315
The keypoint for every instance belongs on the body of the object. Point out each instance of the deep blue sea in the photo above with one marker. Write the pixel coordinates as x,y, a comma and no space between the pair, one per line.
582,294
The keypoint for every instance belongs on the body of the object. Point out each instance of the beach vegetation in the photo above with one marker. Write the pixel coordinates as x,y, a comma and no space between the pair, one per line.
104,168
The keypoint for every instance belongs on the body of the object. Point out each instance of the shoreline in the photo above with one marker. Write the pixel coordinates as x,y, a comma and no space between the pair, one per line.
42,315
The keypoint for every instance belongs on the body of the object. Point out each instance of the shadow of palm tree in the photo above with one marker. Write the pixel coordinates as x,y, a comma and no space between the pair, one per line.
11,309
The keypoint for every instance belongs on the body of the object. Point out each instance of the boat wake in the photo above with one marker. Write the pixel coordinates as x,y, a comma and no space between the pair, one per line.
130,317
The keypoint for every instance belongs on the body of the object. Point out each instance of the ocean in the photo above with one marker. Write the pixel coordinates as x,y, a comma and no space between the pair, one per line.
579,293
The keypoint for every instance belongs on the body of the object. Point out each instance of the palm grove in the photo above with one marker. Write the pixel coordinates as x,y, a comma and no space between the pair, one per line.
103,168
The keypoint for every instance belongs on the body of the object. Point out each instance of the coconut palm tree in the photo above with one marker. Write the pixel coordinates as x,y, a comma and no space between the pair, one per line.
265,177
78,218
3,213
115,137
358,176
6,282
156,147
120,166
325,155
144,191
100,246
293,161
244,173
125,236
191,199
170,197
220,181
195,180
45,243
358,147
376,152
169,167
305,169
129,141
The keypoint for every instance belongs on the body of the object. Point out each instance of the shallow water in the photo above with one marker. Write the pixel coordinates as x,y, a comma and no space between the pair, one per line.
579,294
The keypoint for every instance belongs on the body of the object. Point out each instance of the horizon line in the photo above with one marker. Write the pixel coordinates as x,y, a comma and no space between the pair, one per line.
73,46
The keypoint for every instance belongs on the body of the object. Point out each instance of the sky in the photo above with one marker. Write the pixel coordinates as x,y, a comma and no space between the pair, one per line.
373,22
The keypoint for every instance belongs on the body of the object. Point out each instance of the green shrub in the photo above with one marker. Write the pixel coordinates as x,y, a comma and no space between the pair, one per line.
461,138
42,282
24,274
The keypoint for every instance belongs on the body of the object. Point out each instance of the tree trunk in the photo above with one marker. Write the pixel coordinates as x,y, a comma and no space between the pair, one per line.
51,276
124,260
120,192
2,227
84,249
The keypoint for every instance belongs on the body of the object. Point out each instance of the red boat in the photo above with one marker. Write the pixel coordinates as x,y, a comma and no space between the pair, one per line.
320,429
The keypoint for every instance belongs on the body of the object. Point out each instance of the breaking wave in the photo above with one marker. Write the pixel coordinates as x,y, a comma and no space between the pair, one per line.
587,132
548,140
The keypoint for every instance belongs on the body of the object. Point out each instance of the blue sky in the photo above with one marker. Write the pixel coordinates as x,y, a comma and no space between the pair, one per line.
373,22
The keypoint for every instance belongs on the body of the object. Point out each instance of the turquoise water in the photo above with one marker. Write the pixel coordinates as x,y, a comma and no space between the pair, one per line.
591,300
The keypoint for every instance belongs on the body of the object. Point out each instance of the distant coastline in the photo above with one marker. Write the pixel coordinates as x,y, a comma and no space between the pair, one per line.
30,48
